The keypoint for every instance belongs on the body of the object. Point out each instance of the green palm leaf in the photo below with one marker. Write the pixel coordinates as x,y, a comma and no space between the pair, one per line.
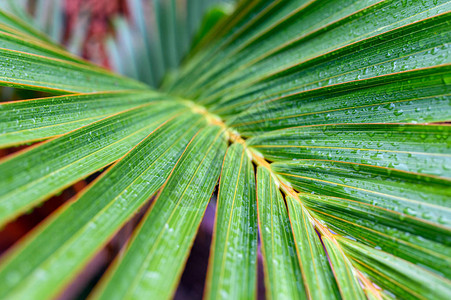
283,274
59,115
155,257
38,172
413,96
404,279
232,272
336,114
21,25
345,274
121,190
319,279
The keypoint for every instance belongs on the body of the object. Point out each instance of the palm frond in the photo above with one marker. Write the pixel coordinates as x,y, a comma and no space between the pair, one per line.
168,230
342,107
96,214
232,272
283,273
38,172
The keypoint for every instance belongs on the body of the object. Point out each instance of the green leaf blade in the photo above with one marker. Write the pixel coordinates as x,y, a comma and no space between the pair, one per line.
37,119
346,277
48,259
409,238
418,96
10,40
22,26
379,55
283,275
232,267
411,148
38,172
34,72
412,194
399,277
154,260
319,279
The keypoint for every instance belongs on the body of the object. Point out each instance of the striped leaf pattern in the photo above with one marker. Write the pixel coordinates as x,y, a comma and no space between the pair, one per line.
324,124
